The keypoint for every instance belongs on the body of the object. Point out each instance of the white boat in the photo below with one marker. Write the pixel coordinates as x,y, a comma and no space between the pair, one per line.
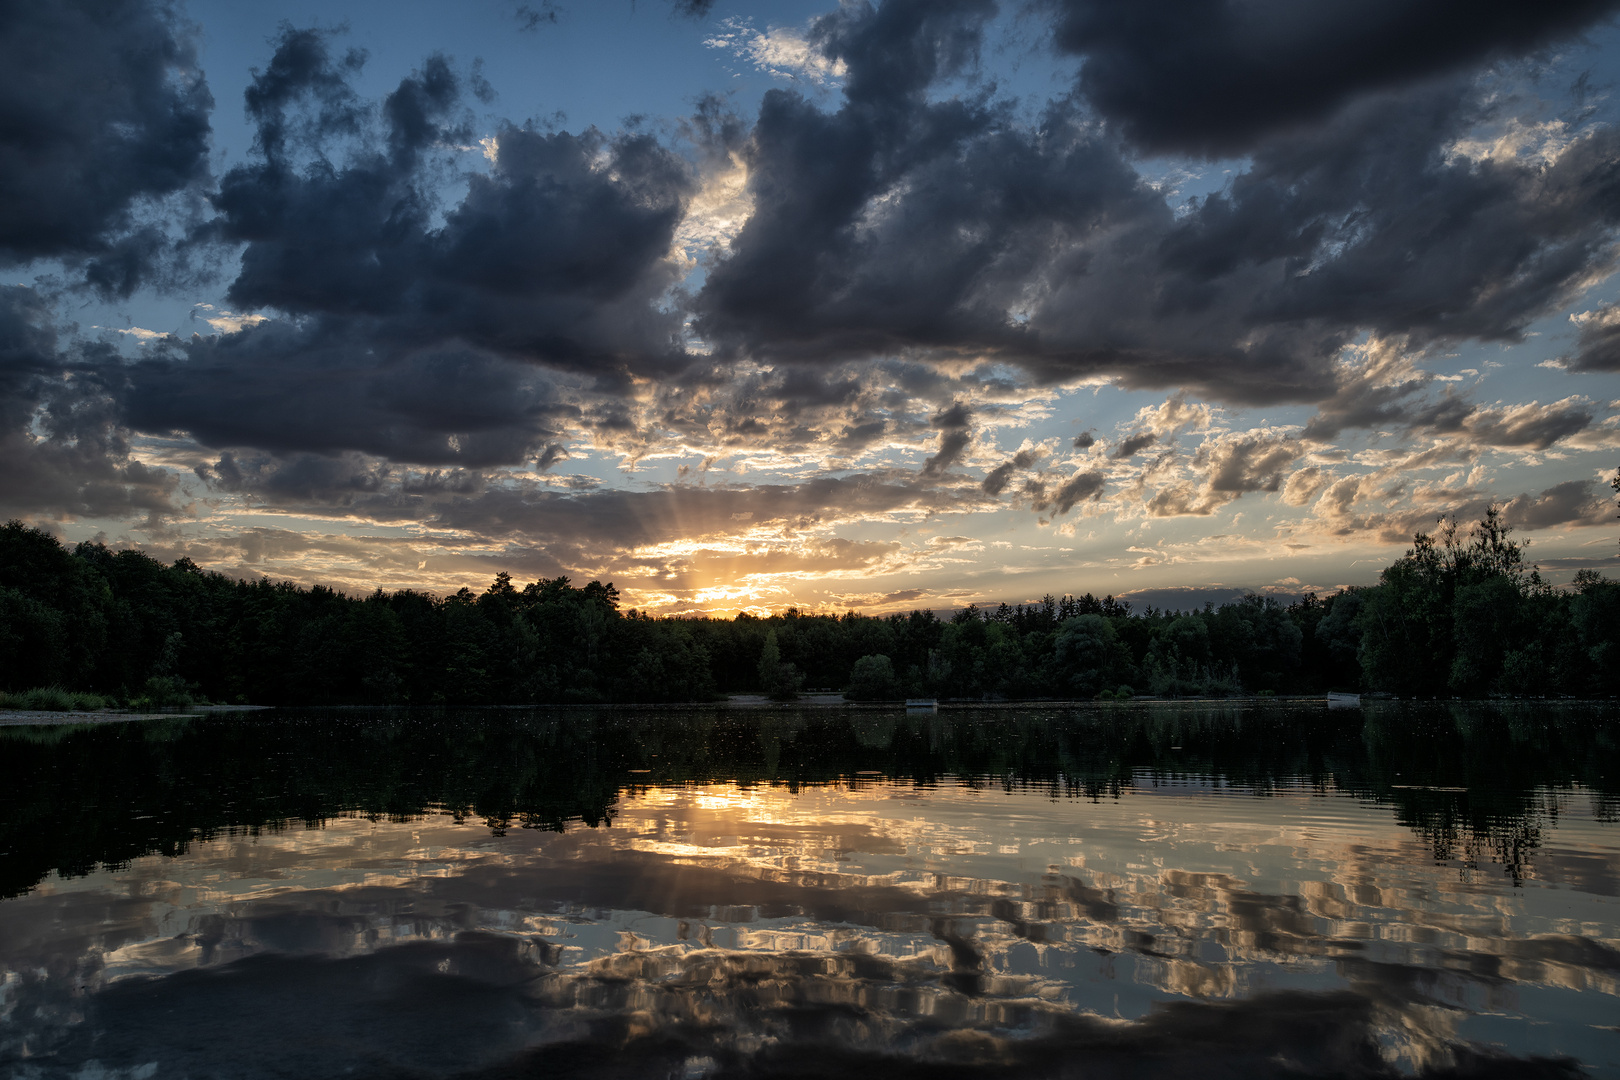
1344,701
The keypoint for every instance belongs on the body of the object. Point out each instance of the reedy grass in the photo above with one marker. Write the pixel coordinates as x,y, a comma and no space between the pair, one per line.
52,699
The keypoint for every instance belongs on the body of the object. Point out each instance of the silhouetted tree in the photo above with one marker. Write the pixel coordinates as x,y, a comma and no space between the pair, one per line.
1456,615
872,679
777,677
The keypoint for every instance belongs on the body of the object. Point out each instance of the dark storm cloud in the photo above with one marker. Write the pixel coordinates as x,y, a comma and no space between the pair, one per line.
1532,426
1578,502
102,108
1084,441
1130,446
303,479
915,223
555,255
901,224
1215,77
1077,489
1379,395
954,435
996,481
1376,225
339,385
1598,346
919,229
64,449
1387,393
833,263
352,482
28,353
1369,223
303,72
404,339
552,454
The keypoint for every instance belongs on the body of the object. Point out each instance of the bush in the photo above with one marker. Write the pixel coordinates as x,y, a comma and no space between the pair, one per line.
873,679
52,699
779,679
164,692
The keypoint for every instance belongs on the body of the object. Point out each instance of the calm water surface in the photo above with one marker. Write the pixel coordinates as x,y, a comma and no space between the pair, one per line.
1188,890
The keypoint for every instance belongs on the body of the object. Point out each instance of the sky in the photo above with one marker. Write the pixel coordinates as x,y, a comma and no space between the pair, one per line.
838,306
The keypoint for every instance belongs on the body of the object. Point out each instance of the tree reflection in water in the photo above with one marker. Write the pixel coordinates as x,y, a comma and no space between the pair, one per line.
1126,891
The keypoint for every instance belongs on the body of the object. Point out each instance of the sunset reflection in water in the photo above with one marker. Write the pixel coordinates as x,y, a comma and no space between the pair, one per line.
736,928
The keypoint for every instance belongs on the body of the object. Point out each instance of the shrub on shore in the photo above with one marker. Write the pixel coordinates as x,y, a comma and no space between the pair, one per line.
163,692
52,699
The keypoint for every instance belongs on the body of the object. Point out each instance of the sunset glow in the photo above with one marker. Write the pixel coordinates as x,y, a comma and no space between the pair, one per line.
815,305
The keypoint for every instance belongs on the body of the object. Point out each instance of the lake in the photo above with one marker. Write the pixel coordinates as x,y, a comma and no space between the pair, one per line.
1134,890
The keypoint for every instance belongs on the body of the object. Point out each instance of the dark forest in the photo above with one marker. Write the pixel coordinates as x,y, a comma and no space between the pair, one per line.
1461,614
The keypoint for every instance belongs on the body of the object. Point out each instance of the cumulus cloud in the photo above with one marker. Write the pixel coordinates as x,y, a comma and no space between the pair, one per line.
954,434
557,255
1132,443
1303,485
1175,414
997,479
1598,346
781,51
65,450
1381,387
1530,426
1249,461
332,386
1081,487
1224,468
227,322
1334,507
845,296
454,343
1375,386
907,223
104,110
1576,502
1353,506
1202,76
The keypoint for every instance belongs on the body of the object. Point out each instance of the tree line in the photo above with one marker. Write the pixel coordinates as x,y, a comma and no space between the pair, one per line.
1461,614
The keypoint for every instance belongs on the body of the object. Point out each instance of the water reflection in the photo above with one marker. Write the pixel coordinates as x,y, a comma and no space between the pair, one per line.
1010,893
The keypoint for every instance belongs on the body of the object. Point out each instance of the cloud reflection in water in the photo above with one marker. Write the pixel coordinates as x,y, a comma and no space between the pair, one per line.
746,929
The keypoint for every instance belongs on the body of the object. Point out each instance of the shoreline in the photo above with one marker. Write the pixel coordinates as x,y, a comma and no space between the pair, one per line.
43,718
